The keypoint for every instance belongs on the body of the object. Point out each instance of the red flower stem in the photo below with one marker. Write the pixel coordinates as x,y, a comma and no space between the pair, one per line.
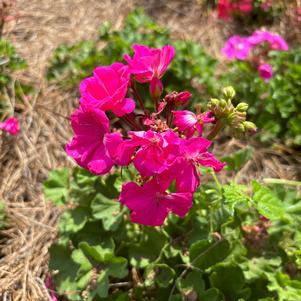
217,128
137,95
131,122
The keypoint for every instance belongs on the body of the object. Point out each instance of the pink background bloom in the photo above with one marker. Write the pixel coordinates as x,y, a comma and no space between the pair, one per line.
148,63
10,125
107,89
275,41
87,148
224,9
265,71
150,204
237,47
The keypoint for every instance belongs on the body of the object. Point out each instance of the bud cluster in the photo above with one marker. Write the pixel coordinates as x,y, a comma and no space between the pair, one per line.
234,117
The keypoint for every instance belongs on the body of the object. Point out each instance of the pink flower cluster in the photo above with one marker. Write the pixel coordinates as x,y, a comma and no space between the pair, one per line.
10,125
165,146
226,9
240,48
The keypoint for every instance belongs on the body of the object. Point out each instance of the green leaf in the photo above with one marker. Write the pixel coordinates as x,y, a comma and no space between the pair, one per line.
72,221
267,203
102,284
149,248
212,294
109,211
65,278
193,282
204,254
286,288
56,187
159,273
97,253
229,279
234,195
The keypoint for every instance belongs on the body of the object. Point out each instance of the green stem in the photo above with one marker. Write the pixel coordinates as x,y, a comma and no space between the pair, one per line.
282,181
217,128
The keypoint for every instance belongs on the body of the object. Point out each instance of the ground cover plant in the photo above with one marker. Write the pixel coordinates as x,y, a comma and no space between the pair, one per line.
151,156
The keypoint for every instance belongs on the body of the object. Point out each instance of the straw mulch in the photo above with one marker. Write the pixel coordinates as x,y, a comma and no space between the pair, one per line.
25,160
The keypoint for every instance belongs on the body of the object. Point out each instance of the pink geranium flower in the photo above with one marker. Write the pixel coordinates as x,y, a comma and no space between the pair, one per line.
90,125
189,122
107,89
193,152
237,48
244,6
156,151
150,204
275,41
148,63
224,9
10,125
265,71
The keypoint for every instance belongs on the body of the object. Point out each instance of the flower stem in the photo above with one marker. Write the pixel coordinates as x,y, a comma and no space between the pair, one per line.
137,95
217,128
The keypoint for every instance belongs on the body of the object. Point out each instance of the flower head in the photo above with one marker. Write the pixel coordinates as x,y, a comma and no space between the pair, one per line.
156,151
224,9
10,125
150,204
237,48
87,148
275,41
148,63
265,71
107,89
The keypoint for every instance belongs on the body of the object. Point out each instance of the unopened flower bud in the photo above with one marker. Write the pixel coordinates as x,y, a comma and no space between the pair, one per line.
155,88
222,103
249,126
214,101
229,92
182,98
242,107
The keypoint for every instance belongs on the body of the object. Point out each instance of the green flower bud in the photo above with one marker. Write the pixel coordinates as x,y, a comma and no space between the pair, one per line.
250,126
242,107
229,92
222,103
214,101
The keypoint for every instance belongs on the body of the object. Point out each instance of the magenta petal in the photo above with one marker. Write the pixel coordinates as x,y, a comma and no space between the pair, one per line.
126,106
179,203
149,160
184,119
166,56
119,150
154,216
89,125
208,160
